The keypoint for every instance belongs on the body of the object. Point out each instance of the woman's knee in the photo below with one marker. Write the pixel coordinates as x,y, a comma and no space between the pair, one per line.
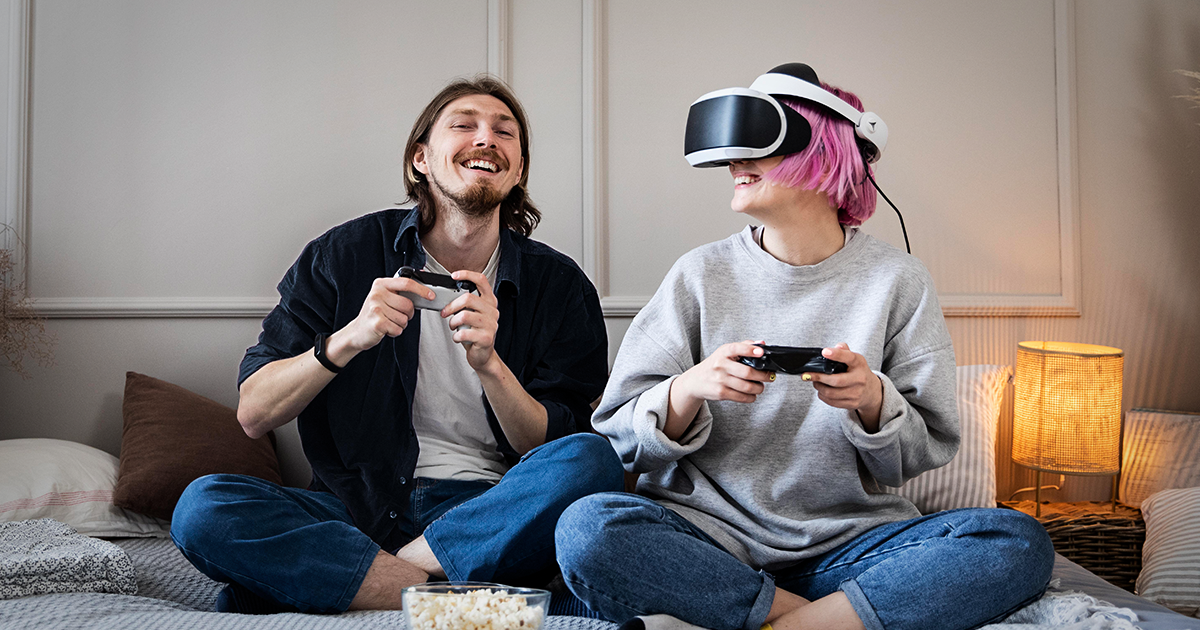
590,525
1035,550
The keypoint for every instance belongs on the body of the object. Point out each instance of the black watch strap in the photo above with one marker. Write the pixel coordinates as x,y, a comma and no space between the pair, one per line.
319,352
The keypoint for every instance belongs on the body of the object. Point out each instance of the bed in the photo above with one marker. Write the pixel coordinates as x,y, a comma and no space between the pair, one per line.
75,484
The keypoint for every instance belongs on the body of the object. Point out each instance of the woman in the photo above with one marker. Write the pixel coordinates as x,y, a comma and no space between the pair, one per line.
760,500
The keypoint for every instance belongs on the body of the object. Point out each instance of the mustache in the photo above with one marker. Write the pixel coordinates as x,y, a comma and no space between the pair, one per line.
490,155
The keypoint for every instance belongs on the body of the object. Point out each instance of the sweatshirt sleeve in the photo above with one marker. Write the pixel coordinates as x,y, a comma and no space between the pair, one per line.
661,343
918,421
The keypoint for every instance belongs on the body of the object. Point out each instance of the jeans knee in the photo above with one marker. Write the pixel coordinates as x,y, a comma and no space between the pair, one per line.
595,459
579,538
196,520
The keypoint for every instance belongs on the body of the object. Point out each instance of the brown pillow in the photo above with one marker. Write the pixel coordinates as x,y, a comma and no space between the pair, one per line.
173,436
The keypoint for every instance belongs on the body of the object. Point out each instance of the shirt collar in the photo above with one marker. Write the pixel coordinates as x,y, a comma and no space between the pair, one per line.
507,275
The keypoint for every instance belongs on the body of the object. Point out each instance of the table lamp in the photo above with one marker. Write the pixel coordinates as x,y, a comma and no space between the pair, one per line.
1067,413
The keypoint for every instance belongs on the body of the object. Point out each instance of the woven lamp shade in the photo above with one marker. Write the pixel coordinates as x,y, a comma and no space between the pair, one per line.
1067,414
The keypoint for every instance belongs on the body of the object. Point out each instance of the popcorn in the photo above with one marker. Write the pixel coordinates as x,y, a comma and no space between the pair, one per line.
479,609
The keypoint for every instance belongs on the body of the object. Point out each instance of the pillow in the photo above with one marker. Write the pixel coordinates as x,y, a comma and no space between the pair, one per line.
70,483
173,436
969,480
1171,554
1159,453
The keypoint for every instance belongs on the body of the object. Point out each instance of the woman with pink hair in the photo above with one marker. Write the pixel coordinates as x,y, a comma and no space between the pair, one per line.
760,501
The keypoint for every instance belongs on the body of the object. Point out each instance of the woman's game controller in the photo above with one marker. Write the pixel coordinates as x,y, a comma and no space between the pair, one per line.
445,288
793,360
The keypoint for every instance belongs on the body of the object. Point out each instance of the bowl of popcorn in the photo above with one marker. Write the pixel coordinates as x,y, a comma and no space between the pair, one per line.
474,606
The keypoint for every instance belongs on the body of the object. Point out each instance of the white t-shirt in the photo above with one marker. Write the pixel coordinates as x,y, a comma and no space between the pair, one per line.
448,414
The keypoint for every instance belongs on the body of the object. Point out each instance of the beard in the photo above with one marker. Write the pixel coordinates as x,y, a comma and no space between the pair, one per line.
477,200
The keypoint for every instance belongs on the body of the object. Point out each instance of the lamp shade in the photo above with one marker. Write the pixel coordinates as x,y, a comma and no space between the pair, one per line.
1067,413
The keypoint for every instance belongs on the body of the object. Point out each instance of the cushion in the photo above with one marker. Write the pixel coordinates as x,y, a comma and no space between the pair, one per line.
173,436
1159,453
68,482
969,480
1171,554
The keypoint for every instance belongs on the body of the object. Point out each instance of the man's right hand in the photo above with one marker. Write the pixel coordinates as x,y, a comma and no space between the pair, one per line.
280,390
385,312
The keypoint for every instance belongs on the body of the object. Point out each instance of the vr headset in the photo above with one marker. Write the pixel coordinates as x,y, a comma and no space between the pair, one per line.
748,124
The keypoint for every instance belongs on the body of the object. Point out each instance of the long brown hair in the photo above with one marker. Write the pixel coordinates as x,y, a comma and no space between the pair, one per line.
517,212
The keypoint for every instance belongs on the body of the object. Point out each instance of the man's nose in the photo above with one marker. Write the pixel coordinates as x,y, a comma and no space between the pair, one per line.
486,137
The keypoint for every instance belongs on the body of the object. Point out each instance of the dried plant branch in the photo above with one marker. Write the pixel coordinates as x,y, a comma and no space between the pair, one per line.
1194,97
22,331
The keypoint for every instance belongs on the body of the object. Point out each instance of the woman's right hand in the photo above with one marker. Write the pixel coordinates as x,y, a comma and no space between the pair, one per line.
719,377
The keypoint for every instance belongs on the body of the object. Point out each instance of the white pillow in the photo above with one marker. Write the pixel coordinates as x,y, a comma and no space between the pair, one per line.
70,483
1171,554
1159,453
969,480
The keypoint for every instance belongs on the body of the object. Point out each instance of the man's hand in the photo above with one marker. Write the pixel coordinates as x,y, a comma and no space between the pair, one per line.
385,312
719,377
858,388
474,320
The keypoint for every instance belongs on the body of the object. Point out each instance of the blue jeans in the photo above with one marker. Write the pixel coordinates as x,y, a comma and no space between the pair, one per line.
625,555
300,548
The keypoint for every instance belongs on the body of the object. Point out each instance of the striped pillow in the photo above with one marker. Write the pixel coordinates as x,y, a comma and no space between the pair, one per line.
69,482
1171,554
969,480
1159,453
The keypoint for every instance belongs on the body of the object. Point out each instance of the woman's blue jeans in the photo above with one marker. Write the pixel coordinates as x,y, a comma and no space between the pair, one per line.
300,548
625,555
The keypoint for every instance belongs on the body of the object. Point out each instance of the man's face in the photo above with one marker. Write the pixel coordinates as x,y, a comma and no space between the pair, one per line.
473,156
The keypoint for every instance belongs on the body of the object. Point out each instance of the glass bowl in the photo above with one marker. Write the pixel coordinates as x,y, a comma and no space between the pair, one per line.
478,605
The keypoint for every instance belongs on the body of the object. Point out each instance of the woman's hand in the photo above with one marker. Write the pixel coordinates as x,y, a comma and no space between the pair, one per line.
719,377
858,388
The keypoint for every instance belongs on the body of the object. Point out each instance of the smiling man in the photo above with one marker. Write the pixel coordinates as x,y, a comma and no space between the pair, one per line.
444,444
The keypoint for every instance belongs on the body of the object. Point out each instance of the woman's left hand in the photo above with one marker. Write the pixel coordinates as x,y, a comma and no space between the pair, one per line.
858,388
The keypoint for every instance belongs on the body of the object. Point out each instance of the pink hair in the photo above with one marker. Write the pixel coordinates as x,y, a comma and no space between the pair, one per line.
831,163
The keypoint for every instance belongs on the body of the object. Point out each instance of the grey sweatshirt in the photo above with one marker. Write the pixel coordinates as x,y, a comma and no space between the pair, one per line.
786,477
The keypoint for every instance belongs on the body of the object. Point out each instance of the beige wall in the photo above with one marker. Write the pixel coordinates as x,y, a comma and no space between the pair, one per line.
181,154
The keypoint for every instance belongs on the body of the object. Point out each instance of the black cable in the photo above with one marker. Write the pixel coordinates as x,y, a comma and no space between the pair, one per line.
889,201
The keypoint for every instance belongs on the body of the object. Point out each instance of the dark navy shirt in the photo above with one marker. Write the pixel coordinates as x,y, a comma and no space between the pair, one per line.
357,433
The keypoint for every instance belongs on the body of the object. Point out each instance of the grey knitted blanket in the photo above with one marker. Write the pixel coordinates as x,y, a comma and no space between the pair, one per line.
43,556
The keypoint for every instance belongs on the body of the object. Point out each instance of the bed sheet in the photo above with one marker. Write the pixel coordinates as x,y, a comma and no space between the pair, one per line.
174,595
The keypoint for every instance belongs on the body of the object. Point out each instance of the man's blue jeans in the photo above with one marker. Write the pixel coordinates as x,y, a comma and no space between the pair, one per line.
301,549
625,555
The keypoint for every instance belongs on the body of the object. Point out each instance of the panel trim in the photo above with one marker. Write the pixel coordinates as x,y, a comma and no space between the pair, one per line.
499,39
156,307
1064,304
594,115
16,205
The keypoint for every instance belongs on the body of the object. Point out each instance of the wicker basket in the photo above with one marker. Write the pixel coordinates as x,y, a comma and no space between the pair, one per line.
1093,536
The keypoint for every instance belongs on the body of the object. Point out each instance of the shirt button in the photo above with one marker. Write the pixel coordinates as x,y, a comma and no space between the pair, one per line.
403,481
392,514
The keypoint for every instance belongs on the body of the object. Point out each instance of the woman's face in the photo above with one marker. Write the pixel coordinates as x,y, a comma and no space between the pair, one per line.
751,192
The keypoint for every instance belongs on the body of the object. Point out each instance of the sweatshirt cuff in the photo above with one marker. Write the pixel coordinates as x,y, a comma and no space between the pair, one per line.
893,408
649,418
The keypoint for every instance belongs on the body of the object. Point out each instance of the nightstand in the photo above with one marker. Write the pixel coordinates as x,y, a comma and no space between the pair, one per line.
1090,534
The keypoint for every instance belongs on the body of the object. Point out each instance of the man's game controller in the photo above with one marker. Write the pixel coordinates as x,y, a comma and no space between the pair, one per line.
445,288
793,360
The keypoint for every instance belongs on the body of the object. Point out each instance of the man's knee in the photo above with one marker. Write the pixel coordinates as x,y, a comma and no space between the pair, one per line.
599,468
198,519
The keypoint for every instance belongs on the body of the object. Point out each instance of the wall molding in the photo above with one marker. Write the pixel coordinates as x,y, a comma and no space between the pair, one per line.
1064,304
16,203
499,17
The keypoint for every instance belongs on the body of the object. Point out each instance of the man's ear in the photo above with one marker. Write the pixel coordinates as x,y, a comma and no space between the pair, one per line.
418,160
520,167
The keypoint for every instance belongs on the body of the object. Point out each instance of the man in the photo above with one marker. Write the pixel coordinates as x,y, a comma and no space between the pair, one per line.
414,420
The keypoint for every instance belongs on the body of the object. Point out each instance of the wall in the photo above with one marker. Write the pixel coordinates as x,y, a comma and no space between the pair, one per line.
180,155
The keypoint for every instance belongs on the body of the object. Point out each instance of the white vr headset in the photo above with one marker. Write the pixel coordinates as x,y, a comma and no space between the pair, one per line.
748,124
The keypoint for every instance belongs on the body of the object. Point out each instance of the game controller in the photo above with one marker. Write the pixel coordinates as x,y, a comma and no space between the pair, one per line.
793,360
445,288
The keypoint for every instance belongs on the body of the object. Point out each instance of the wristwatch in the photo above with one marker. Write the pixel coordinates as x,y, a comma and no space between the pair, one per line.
319,352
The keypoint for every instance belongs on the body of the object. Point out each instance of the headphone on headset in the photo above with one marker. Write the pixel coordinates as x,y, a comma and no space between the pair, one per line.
751,123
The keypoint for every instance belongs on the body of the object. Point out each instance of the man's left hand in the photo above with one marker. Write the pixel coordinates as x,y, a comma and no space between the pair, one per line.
858,388
481,313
